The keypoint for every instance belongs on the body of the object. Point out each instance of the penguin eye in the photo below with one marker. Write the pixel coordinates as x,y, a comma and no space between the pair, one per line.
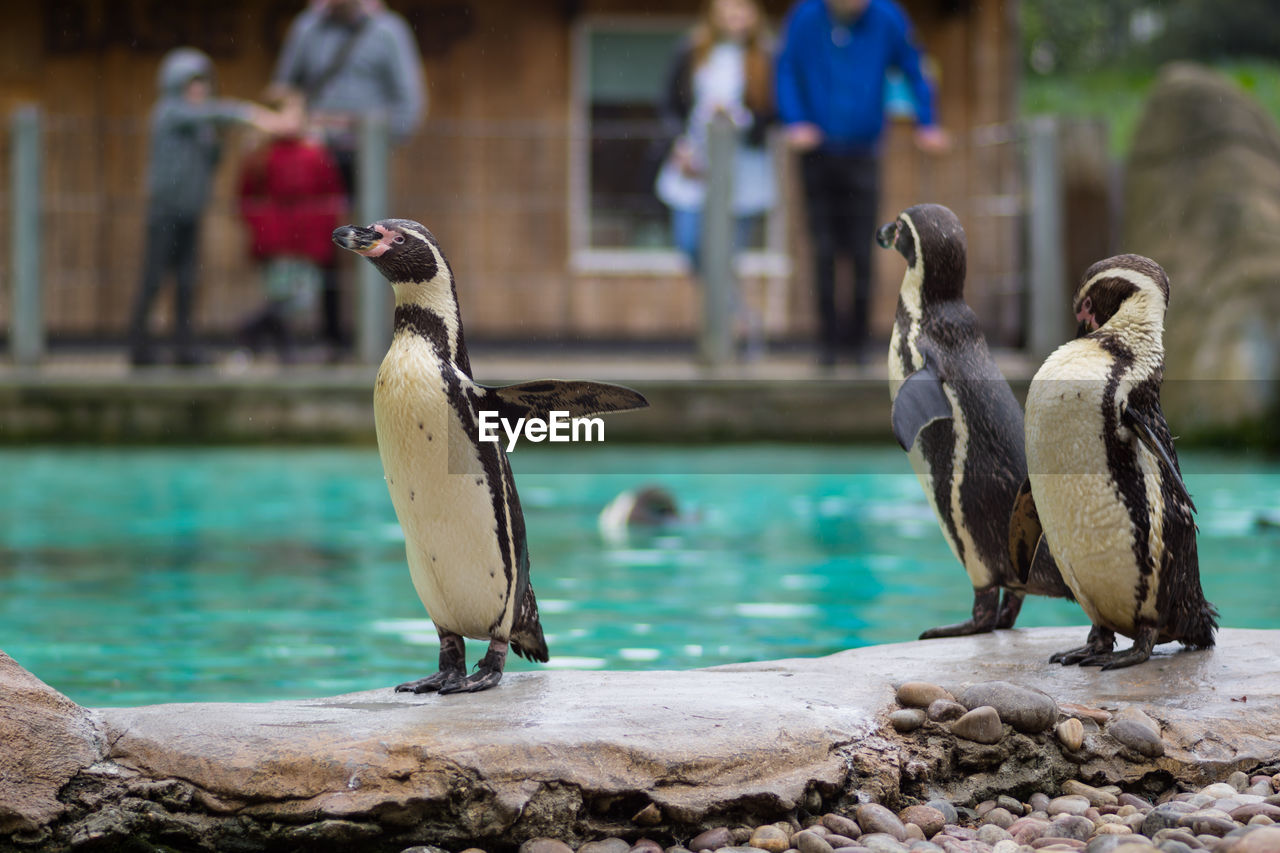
1088,304
399,238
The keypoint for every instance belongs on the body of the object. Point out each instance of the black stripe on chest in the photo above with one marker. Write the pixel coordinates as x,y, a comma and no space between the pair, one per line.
427,324
906,328
1122,464
502,492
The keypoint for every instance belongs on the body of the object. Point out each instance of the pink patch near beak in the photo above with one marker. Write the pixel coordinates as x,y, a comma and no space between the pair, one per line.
379,248
1085,315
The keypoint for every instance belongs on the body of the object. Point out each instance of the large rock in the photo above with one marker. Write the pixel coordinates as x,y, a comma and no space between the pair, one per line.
576,756
1202,197
45,740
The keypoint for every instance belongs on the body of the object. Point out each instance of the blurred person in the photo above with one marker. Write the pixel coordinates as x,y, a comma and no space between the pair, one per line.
185,146
291,199
725,67
351,59
830,89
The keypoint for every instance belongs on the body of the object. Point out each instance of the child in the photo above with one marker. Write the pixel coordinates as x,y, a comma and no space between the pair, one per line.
185,145
291,198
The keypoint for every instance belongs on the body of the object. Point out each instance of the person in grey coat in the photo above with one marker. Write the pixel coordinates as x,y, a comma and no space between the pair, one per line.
185,144
352,59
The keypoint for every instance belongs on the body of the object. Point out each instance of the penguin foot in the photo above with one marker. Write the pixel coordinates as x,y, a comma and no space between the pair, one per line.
488,671
984,619
441,681
453,667
1009,610
1138,653
959,629
1100,643
482,680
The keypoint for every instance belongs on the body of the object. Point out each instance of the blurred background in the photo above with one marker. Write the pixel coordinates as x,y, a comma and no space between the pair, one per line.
1077,130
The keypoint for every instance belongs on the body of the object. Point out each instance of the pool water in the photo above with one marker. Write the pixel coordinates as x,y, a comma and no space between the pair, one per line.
141,576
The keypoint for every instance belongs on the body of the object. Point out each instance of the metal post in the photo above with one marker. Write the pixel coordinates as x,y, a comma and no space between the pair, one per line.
373,296
1048,314
26,324
716,344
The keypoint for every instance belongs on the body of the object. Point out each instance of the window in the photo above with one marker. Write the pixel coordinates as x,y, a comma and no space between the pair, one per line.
620,67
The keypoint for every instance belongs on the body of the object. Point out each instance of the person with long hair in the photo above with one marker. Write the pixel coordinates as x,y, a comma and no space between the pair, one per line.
725,67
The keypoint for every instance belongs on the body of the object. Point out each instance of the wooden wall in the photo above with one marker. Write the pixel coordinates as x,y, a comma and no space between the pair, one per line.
489,173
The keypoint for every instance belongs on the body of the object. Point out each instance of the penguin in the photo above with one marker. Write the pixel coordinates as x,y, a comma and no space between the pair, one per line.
650,507
453,493
955,415
1104,473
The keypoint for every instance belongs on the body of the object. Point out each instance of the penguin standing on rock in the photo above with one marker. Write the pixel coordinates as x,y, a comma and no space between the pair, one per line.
453,493
1104,473
954,414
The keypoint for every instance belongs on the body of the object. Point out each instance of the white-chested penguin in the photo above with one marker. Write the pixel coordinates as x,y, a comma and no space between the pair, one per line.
954,414
1104,473
454,494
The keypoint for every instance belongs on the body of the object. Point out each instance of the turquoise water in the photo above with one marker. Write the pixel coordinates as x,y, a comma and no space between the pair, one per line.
140,576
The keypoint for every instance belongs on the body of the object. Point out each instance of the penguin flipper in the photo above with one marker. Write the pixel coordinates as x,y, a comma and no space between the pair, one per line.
1153,431
921,400
539,398
1032,561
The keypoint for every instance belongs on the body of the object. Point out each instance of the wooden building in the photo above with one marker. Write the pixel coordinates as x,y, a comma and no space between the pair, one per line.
534,166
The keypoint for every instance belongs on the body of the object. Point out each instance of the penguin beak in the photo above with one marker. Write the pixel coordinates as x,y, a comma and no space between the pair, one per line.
887,235
355,238
1083,329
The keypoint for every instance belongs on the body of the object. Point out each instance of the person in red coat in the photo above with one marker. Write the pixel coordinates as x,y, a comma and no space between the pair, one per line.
291,199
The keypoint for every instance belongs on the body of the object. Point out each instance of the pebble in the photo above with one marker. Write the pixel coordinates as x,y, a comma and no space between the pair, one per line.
1093,795
914,833
1071,826
928,818
907,719
1142,739
650,815
879,842
545,845
1218,791
841,825
1006,847
1070,733
1010,804
1026,709
981,725
1238,780
646,844
944,711
921,694
948,811
1000,817
608,845
770,838
1166,816
1264,840
809,841
874,818
1137,802
712,839
1039,802
1072,804
992,833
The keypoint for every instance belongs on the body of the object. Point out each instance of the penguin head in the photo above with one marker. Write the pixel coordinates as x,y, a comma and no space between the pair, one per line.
403,251
1115,284
932,240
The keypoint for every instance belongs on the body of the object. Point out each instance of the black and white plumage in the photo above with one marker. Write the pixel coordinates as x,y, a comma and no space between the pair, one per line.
454,495
954,414
1104,473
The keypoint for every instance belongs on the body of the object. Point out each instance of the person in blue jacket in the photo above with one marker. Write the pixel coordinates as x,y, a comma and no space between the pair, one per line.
830,99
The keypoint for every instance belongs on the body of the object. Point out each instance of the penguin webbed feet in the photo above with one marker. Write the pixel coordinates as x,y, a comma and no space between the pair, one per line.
985,617
488,671
453,668
441,682
1099,645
